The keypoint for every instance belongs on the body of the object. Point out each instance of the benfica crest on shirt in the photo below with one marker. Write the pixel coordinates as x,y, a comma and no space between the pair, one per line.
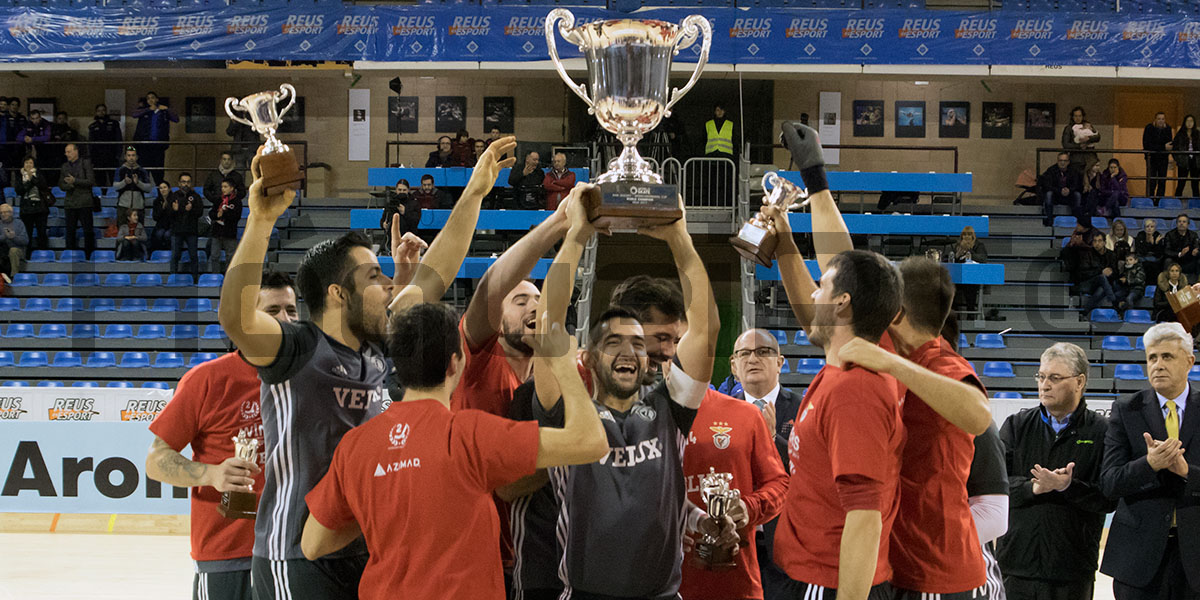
721,437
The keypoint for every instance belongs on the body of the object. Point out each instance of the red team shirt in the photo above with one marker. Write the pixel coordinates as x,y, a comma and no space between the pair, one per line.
418,479
934,545
731,436
488,381
212,403
848,426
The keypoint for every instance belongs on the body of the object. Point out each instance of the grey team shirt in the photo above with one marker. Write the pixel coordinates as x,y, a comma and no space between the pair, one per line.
622,516
314,392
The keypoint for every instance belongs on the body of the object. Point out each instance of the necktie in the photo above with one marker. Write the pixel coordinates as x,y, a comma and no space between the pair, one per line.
761,404
1172,422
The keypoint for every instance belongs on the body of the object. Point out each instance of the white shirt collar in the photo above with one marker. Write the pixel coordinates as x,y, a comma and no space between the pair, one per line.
1180,401
769,398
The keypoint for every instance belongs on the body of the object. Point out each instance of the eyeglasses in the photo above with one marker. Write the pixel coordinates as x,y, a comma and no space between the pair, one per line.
761,352
1053,379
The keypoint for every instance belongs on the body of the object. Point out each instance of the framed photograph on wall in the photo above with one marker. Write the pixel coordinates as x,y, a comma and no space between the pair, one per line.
201,115
868,118
45,105
450,114
293,121
1039,120
402,114
997,120
910,119
498,113
954,119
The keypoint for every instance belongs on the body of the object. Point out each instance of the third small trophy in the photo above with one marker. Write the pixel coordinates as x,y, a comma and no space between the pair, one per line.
718,499
280,169
756,241
241,505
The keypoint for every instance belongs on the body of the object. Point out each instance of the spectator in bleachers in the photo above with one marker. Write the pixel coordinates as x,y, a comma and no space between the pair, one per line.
443,156
1118,240
34,195
1094,272
478,147
1148,245
61,133
1187,139
154,125
13,240
131,239
968,249
226,169
104,155
186,209
1111,190
462,149
1056,509
8,133
160,237
245,142
526,182
1079,134
429,197
400,201
1131,282
76,179
1182,245
225,213
132,182
34,136
1170,281
493,135
1060,184
14,153
1156,139
558,182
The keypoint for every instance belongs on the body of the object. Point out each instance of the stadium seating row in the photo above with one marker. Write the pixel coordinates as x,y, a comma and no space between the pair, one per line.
108,256
103,360
158,385
52,331
207,280
160,305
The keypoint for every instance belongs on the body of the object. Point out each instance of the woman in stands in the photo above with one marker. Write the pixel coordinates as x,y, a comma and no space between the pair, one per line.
160,239
968,250
1112,189
1171,280
35,203
1148,245
131,239
1119,240
1187,140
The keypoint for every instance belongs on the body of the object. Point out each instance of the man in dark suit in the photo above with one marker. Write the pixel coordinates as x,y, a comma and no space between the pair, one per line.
1153,443
755,363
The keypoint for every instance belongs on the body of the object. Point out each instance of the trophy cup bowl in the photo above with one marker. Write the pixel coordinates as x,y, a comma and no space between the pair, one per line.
241,505
718,498
755,241
278,164
629,69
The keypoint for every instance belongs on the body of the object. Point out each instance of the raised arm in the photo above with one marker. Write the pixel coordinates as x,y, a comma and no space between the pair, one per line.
255,333
797,279
581,439
830,235
440,265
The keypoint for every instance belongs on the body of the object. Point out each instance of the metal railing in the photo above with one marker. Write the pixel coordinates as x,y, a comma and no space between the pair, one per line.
875,165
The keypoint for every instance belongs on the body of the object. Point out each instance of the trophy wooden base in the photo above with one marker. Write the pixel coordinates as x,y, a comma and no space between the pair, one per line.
1186,306
628,205
238,505
755,243
280,172
714,558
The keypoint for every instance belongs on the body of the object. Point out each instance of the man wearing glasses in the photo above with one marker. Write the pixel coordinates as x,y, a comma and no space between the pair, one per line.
1056,508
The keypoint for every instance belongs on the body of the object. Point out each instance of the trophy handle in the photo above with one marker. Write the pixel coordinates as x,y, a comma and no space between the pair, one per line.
289,91
693,26
233,104
567,22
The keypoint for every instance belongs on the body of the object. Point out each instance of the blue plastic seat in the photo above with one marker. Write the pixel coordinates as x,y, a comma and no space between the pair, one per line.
151,332
780,336
118,332
201,256
32,359
197,305
119,384
1099,222
84,332
1135,315
72,256
998,369
1132,371
1151,290
185,332
41,256
102,305
69,305
1170,204
1194,373
67,360
1141,203
1064,222
210,280
156,385
7,304
11,383
37,305
160,257
101,360
165,305
1007,395
56,280
148,280
133,305
180,280
801,338
213,332
103,256
21,279
1116,343
6,358
1105,315
810,366
135,360
19,330
989,340
86,280
962,341
200,358
118,280
52,331
1139,344
50,384
168,360
85,384
785,368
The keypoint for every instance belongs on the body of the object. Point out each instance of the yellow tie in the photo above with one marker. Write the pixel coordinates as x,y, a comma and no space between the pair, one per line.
1172,422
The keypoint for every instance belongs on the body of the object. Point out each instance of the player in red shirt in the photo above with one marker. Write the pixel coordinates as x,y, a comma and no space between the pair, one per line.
212,404
731,436
417,480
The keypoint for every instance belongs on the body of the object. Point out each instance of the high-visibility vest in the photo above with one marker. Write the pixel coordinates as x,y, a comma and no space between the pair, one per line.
719,141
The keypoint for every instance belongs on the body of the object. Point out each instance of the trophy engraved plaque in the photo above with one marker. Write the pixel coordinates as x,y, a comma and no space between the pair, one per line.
755,241
241,505
718,499
1186,307
280,170
629,68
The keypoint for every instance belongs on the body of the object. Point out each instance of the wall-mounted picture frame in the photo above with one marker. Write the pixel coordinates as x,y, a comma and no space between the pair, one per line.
450,114
498,113
403,112
910,119
954,119
868,118
47,106
200,115
1039,120
997,121
293,120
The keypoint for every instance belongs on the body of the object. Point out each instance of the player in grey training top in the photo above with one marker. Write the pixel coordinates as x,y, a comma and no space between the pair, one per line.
622,517
325,376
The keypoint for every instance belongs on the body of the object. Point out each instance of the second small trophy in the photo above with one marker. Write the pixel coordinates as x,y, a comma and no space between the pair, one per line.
718,500
280,169
241,505
756,241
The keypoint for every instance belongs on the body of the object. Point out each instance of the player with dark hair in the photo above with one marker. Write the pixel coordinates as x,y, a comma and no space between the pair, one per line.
324,376
212,404
658,304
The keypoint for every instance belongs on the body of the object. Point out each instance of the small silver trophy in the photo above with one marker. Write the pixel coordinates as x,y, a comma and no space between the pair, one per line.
241,505
280,169
755,241
718,499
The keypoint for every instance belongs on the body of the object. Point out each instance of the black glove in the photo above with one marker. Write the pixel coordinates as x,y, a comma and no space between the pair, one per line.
802,141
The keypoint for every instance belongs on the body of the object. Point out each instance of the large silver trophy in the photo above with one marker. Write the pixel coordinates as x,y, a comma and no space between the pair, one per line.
718,500
241,505
629,69
756,241
280,169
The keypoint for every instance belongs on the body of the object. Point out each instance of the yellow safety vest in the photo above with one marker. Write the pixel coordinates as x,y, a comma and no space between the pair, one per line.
719,141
